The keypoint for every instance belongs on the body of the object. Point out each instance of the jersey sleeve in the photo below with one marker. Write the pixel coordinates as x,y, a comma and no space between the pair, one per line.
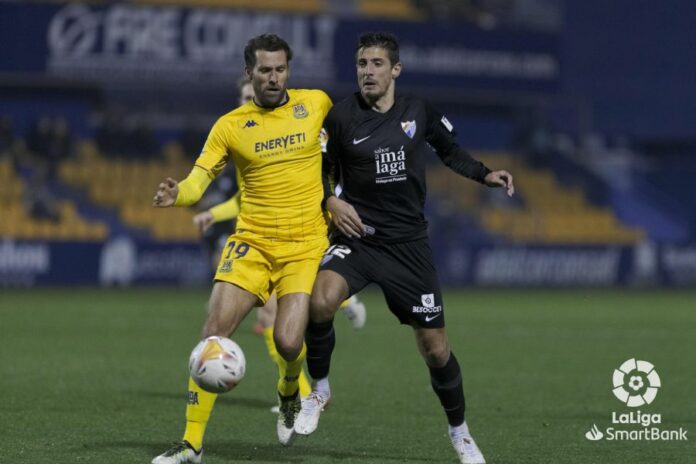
216,151
441,136
324,102
227,210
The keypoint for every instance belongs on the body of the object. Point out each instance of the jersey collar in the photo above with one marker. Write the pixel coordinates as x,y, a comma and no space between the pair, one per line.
271,108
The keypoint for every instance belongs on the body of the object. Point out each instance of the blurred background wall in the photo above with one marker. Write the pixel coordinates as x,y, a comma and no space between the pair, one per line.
591,105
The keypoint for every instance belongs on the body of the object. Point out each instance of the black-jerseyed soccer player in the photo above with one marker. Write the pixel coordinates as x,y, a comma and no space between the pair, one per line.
378,144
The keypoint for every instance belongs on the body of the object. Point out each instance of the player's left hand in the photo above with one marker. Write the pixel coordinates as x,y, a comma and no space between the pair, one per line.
501,178
203,221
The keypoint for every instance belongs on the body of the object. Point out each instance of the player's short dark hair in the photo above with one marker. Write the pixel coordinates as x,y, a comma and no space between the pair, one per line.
267,43
385,40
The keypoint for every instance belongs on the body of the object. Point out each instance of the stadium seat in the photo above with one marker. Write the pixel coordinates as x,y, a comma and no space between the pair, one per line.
550,213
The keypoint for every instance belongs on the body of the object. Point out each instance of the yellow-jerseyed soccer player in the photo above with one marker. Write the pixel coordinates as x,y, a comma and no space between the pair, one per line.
281,232
353,308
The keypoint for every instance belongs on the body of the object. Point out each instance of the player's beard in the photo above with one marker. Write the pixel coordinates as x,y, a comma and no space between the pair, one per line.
273,98
372,93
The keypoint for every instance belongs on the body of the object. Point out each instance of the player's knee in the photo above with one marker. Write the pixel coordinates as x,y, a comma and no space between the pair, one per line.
436,354
322,307
288,346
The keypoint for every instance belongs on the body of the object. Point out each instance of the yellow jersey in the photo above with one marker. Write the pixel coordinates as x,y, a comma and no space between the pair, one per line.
278,155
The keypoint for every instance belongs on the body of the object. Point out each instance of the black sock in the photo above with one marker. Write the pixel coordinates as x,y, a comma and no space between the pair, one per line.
447,383
321,339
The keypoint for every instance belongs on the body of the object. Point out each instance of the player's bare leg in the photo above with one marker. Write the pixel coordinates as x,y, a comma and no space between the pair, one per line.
330,289
288,335
446,379
266,315
227,307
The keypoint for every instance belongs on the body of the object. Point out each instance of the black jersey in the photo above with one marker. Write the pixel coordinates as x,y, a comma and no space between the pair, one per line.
379,159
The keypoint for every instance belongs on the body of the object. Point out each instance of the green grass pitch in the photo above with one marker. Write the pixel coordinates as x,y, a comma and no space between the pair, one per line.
99,376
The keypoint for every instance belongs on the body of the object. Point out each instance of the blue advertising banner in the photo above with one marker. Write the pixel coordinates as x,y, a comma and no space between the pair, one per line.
120,261
127,44
124,261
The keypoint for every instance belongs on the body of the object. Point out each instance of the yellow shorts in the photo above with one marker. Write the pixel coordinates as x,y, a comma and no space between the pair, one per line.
261,266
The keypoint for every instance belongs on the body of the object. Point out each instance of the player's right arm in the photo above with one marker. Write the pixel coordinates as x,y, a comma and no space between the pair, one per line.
342,213
210,162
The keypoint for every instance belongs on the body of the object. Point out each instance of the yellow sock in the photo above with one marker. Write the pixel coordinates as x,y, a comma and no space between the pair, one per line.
290,374
270,345
305,386
344,304
198,410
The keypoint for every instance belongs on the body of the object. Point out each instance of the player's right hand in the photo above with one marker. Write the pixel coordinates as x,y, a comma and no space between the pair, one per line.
345,217
203,221
166,194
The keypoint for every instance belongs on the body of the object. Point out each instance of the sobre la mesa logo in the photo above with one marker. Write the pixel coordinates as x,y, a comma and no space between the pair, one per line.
636,383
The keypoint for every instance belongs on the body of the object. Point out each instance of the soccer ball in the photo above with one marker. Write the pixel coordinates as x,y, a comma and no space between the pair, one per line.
217,364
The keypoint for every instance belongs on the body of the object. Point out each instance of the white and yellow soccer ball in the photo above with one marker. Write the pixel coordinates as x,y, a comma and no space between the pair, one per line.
217,364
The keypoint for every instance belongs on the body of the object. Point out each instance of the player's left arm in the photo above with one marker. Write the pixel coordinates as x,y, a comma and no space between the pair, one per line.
441,136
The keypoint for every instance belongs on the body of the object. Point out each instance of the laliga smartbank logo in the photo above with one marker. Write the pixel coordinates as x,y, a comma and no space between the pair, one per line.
636,384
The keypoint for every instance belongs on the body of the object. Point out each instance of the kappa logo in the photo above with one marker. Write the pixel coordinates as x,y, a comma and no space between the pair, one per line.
299,111
251,123
636,383
409,128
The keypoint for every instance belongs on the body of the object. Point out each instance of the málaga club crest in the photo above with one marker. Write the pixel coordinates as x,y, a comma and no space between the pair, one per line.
409,128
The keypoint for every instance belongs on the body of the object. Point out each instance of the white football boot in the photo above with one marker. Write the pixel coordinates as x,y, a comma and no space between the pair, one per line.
312,407
287,414
465,446
181,453
355,312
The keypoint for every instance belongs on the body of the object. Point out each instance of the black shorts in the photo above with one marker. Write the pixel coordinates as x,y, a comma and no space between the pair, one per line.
404,271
